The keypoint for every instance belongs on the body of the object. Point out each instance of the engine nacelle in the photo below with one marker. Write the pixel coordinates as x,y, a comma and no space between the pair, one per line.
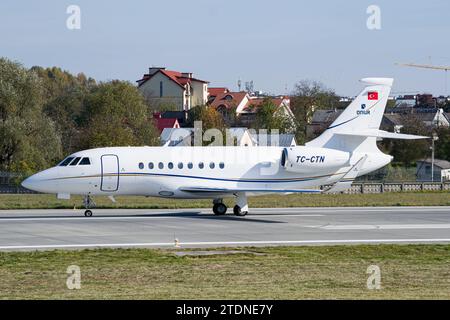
309,159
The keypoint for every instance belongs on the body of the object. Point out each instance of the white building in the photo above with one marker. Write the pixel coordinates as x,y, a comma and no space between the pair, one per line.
180,89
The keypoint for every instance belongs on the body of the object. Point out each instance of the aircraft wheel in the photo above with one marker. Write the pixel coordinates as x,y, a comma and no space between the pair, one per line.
238,212
219,209
88,213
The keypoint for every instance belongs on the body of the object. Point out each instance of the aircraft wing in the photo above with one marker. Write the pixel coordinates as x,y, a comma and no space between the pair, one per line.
203,190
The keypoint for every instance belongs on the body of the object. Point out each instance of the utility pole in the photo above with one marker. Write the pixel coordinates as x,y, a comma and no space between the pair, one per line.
434,138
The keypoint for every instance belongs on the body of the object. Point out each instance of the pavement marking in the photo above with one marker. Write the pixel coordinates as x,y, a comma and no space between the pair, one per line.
8,219
383,226
220,243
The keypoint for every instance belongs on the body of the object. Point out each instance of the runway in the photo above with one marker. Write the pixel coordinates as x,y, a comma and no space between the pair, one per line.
68,229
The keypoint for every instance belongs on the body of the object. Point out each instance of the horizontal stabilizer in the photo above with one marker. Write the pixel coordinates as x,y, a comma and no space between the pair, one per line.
381,134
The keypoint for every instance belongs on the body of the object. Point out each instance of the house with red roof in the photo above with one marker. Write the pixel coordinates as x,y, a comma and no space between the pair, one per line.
172,88
246,105
163,123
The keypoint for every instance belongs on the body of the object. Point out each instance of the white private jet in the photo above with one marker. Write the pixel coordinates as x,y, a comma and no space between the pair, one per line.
346,150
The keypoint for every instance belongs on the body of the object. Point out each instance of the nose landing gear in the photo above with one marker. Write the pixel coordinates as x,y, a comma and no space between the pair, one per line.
88,203
241,207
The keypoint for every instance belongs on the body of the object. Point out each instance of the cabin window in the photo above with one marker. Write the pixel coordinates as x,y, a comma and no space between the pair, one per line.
170,165
201,165
221,165
85,162
141,165
66,161
75,161
180,165
190,165
150,165
212,165
161,165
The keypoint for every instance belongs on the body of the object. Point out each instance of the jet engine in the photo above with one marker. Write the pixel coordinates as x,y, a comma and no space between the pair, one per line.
312,160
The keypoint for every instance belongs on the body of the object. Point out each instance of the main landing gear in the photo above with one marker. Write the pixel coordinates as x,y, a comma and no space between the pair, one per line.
88,203
219,208
240,209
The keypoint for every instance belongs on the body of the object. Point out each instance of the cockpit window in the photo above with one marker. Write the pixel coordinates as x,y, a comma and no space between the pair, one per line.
75,161
65,162
85,161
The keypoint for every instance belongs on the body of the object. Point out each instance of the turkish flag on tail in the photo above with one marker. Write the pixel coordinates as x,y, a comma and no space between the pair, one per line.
372,95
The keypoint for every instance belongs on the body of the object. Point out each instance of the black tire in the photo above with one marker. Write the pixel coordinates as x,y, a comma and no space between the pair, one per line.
238,212
88,213
219,209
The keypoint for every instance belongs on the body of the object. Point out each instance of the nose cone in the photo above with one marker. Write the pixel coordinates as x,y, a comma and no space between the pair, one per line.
43,181
34,182
28,183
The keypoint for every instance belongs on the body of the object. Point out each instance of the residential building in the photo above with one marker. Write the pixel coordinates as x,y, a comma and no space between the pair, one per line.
406,101
172,88
162,123
321,120
177,137
441,171
431,117
244,105
281,140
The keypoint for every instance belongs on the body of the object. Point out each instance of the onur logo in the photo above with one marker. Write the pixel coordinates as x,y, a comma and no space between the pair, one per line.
363,110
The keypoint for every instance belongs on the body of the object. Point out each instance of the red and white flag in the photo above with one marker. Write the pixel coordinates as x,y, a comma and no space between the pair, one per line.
372,95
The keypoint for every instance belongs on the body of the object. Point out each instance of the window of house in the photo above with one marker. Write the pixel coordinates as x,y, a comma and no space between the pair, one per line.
160,89
141,165
85,162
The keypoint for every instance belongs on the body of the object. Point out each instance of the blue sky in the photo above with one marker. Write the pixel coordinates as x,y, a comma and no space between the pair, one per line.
273,43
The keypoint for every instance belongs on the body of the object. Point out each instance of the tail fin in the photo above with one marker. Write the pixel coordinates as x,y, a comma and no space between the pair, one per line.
357,127
366,111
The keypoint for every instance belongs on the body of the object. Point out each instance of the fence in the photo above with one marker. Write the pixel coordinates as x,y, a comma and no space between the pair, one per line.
371,187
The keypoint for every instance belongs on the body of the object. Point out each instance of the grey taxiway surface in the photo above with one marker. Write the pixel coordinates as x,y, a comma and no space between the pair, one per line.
68,229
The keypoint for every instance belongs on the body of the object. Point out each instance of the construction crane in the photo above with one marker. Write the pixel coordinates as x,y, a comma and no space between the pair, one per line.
428,66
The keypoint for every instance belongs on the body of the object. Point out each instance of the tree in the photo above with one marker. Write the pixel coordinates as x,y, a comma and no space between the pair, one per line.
270,118
442,145
307,97
210,119
115,114
408,151
64,102
28,138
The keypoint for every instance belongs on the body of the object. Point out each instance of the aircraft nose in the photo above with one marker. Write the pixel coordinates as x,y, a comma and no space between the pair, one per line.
30,183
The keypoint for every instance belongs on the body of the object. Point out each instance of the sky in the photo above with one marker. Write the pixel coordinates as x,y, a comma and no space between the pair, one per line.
274,43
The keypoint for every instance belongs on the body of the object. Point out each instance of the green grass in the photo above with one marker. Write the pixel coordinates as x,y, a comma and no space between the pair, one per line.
325,272
35,201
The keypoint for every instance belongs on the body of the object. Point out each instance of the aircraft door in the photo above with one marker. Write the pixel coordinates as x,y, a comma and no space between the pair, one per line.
110,173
